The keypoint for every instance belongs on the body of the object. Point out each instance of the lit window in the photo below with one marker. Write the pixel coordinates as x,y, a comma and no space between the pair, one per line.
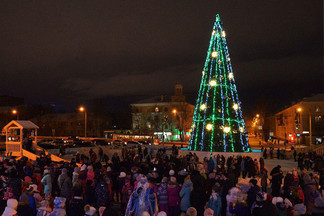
318,118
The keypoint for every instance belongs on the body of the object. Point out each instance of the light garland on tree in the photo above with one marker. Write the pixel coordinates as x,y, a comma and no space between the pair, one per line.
221,127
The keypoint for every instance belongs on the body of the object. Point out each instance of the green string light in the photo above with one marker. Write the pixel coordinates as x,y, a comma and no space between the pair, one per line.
218,123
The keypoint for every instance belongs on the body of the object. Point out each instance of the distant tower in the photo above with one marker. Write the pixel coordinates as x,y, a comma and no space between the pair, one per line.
178,93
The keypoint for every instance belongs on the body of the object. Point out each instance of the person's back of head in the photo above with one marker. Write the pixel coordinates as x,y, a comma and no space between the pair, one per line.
191,211
209,212
145,213
162,213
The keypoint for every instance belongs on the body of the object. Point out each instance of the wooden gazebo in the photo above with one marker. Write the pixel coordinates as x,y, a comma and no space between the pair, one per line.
15,134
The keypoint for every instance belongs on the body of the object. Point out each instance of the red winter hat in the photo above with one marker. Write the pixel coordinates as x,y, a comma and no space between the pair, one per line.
28,179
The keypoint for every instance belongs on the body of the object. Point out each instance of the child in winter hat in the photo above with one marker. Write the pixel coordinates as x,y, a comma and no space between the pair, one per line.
11,209
44,210
89,210
59,206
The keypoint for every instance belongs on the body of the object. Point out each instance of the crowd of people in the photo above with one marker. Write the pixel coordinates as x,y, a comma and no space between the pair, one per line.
147,182
309,160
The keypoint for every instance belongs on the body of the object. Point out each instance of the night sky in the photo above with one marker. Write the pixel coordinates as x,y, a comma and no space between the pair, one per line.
73,51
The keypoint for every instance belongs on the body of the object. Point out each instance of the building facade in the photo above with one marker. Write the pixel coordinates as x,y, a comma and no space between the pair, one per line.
168,117
301,123
69,124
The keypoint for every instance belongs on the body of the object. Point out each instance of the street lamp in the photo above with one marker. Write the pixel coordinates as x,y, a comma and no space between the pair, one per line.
82,109
15,112
175,112
299,109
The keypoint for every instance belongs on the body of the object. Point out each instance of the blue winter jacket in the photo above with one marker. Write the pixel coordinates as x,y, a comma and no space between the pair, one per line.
215,204
185,196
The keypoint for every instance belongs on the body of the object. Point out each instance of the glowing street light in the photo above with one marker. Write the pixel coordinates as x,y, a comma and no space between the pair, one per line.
257,115
299,109
82,109
174,111
15,112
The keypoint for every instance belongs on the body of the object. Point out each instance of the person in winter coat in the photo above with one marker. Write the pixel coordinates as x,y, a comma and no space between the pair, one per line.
288,181
75,175
211,165
185,196
47,182
76,204
23,206
162,195
14,183
276,180
231,197
173,197
243,169
264,179
142,199
126,193
59,207
121,183
91,175
89,196
11,209
44,209
215,200
38,178
240,208
83,177
65,184
252,192
31,199
263,208
309,192
198,197
102,193
37,195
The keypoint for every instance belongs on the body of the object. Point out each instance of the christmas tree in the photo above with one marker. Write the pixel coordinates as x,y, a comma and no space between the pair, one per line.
218,124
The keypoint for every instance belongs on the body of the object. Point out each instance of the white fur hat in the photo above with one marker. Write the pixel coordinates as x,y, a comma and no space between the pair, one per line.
162,213
299,209
91,211
234,190
288,203
276,200
145,213
12,203
34,187
122,175
83,167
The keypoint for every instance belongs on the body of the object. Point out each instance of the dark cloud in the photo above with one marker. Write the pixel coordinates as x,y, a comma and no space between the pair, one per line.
65,51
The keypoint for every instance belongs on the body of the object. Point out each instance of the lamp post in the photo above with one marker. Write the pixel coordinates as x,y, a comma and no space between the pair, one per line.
82,109
310,124
15,112
258,123
175,112
298,123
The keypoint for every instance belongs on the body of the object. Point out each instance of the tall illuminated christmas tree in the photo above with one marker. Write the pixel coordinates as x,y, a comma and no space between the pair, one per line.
218,124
